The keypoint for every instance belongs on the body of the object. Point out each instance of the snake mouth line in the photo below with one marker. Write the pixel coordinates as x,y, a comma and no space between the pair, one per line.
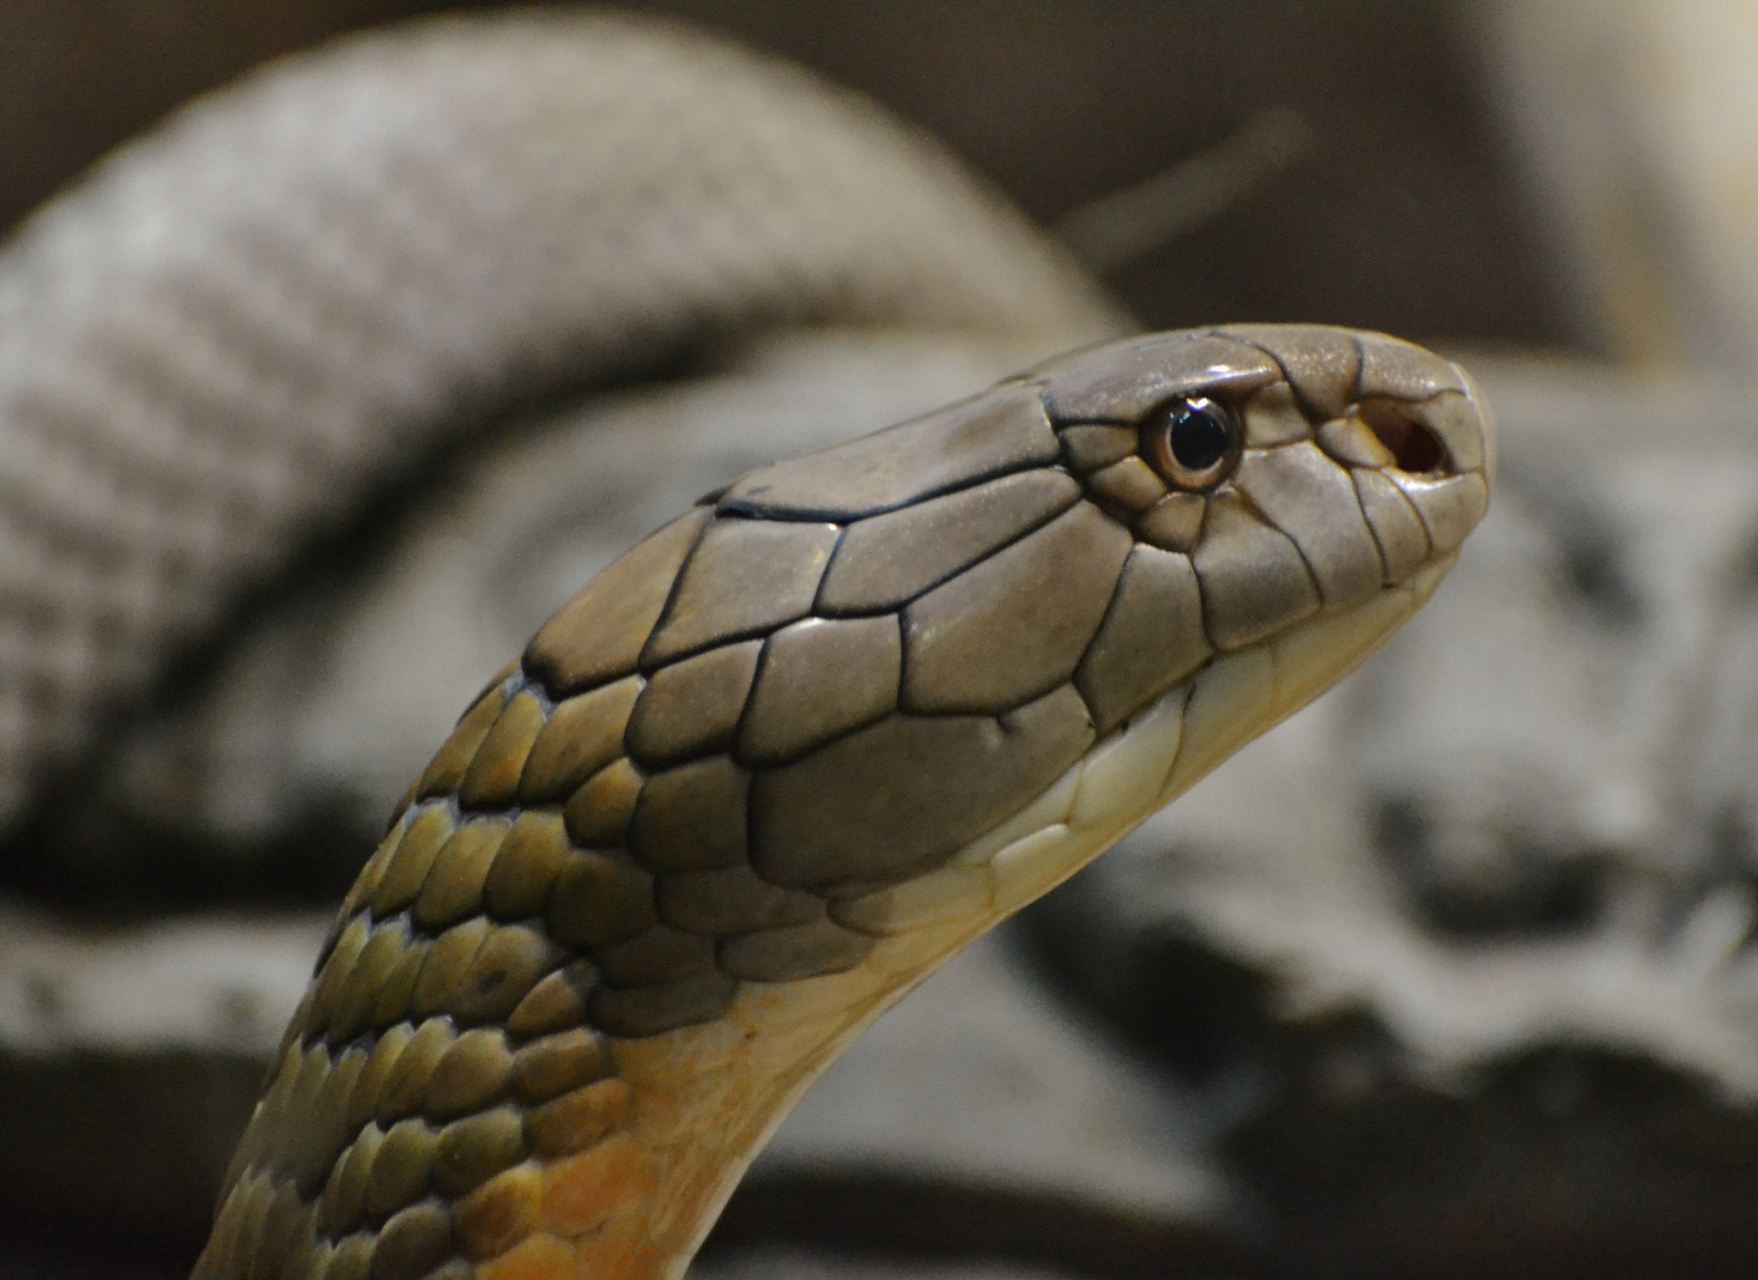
1148,762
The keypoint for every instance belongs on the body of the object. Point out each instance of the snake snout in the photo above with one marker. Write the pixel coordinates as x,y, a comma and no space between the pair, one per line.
1319,466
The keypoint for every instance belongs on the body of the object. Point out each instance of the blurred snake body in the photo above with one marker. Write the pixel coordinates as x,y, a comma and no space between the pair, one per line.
770,768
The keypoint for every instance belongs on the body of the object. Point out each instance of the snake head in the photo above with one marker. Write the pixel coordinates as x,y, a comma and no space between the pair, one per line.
910,682
1325,467
854,666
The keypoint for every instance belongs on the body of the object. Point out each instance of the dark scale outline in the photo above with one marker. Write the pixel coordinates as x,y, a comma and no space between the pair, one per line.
739,510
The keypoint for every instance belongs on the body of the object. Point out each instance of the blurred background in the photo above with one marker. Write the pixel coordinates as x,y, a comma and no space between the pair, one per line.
1402,210
1450,976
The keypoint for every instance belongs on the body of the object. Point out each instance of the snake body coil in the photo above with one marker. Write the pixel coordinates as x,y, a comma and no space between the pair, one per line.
774,765
236,333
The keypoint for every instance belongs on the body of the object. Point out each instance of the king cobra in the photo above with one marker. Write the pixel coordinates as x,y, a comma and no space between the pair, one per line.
780,760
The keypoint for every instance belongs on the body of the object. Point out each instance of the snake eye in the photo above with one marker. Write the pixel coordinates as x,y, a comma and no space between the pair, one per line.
1194,443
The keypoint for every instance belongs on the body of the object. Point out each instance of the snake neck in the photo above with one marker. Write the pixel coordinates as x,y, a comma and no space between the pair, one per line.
701,1103
632,1145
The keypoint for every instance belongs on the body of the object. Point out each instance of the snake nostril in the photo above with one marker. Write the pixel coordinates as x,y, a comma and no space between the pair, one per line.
1413,446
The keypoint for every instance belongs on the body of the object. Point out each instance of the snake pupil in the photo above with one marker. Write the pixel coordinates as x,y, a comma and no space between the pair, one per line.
1199,439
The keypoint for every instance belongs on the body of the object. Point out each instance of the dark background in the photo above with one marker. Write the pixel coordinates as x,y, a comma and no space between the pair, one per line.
1402,214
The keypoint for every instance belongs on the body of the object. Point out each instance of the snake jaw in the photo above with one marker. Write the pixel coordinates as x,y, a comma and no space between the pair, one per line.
1157,756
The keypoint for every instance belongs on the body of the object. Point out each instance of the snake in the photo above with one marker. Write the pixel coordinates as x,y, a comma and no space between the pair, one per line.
779,761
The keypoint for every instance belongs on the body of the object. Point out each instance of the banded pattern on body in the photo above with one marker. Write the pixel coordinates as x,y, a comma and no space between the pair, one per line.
793,750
